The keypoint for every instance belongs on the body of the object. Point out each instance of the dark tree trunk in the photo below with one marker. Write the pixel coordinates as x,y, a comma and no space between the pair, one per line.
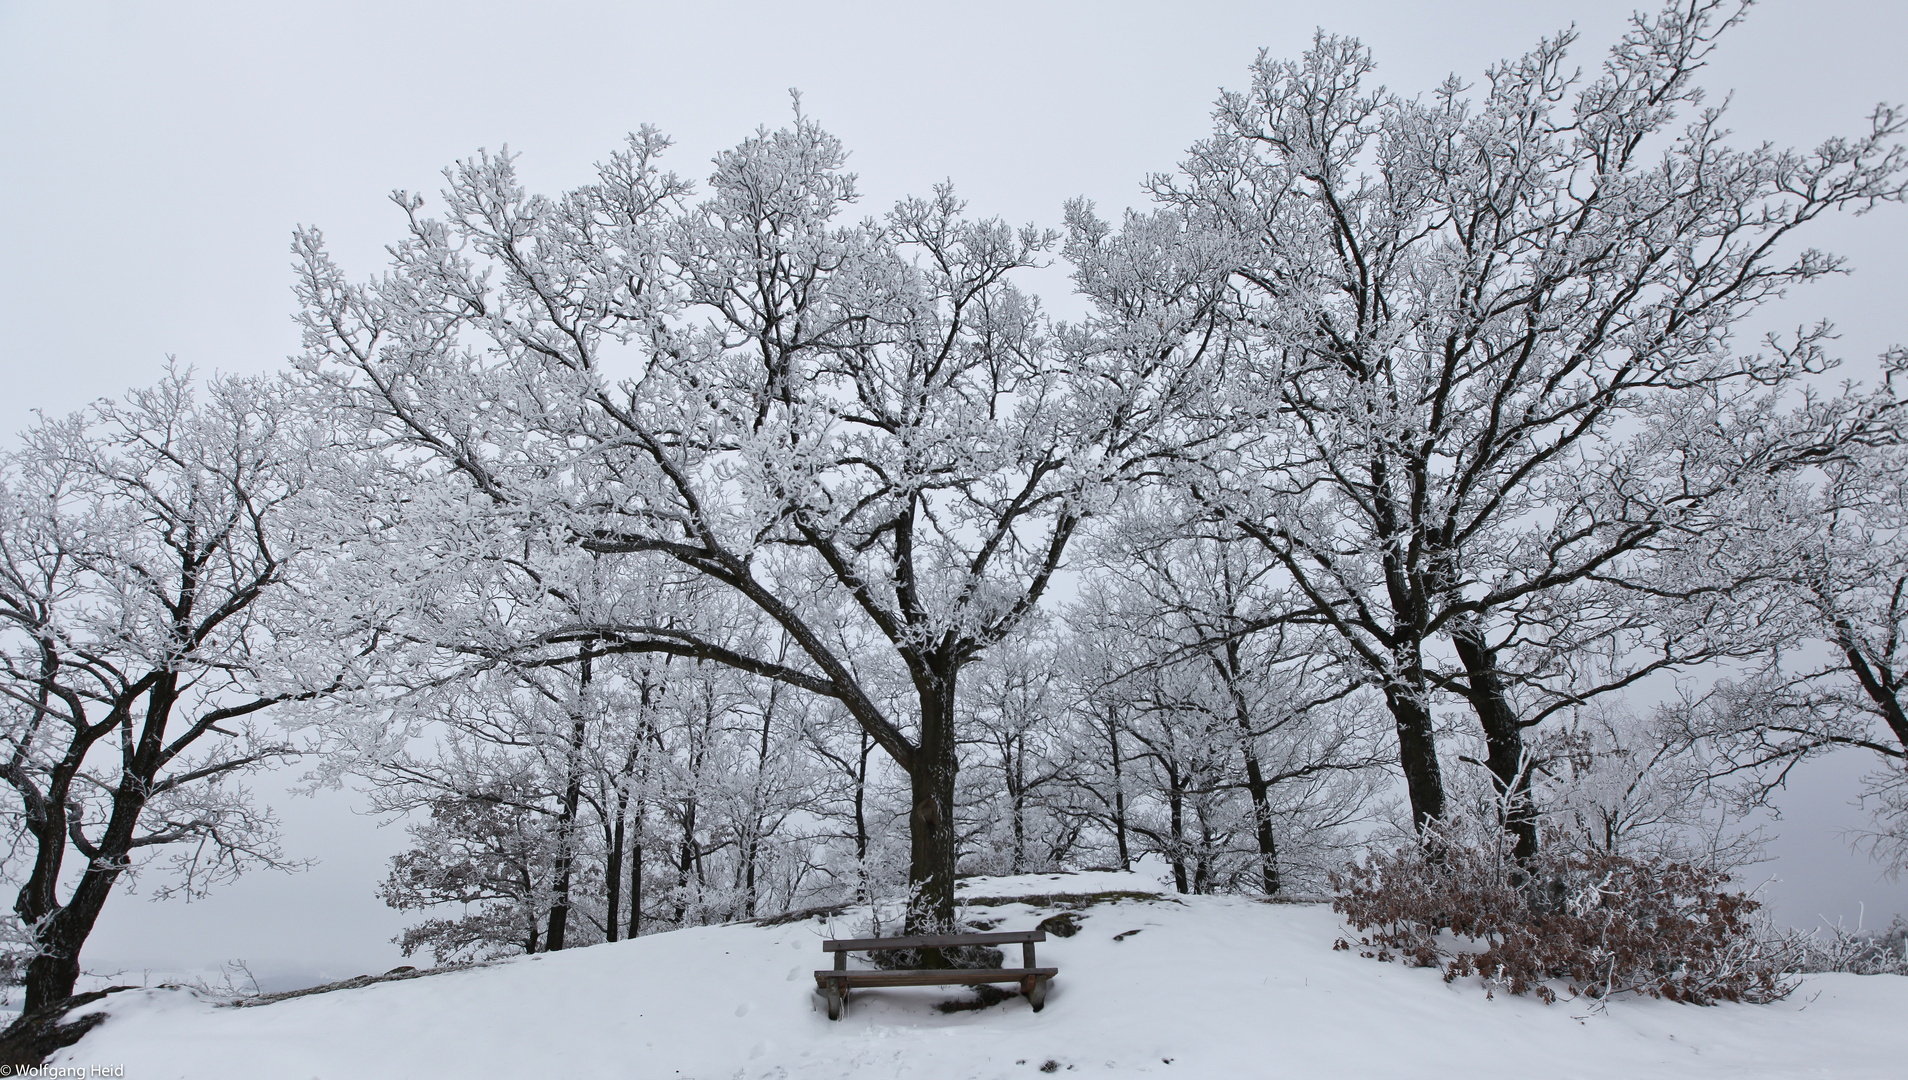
685,860
530,906
1176,816
560,892
1017,799
1259,790
688,849
636,876
752,843
1202,861
51,975
613,873
1407,691
1408,698
647,736
1256,787
618,838
566,818
1119,791
1503,739
1883,686
931,822
861,820
748,875
60,930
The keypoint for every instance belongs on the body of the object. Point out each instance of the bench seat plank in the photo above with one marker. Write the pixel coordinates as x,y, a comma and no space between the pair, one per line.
932,941
931,977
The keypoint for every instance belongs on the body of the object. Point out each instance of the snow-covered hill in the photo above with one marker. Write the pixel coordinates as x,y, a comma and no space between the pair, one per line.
1193,987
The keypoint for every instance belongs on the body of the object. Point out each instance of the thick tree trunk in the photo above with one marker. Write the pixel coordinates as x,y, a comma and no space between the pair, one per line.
60,930
931,822
1408,698
1260,791
931,848
1503,740
565,861
52,974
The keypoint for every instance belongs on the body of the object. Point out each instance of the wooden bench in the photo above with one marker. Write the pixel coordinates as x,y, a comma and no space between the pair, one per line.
1033,980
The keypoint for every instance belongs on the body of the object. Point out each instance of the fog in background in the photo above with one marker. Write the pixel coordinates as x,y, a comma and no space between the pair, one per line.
155,157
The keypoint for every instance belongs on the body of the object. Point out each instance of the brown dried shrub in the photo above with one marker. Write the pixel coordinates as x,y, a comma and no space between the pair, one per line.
1603,924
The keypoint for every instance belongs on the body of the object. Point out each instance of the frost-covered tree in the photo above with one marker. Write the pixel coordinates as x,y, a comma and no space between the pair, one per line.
1100,749
1452,325
152,599
663,794
858,429
1611,781
635,785
1021,804
510,677
1250,733
1837,543
489,854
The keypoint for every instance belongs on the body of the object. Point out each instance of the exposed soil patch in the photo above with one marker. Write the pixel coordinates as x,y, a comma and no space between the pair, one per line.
833,911
985,997
1064,925
957,956
397,974
1071,900
32,1038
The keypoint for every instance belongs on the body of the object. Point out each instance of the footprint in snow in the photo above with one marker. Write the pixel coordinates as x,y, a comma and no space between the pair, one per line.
742,1009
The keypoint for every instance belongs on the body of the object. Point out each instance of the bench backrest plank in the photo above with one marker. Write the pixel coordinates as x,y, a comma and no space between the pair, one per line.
932,941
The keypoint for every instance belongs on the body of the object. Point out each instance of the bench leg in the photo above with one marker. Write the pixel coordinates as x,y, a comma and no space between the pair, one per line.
1038,996
834,995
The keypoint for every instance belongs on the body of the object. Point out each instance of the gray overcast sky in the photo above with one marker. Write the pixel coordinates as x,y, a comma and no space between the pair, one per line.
154,158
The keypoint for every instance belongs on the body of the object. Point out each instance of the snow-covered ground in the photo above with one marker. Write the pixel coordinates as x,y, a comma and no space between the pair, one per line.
1208,987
